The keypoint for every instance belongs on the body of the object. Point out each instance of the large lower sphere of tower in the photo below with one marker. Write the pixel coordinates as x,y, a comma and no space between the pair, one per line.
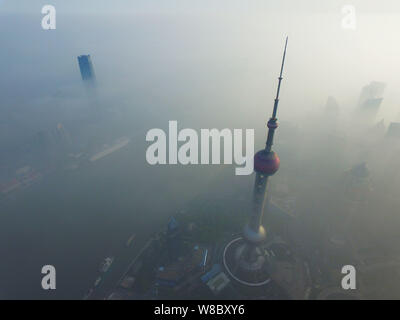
266,162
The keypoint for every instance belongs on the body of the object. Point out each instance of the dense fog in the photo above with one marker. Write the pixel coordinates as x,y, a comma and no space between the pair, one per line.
205,65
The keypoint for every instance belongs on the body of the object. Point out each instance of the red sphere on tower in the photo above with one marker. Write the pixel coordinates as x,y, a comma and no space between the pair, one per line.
266,162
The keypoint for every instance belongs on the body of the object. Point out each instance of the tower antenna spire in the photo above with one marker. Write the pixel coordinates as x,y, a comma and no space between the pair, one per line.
279,81
272,124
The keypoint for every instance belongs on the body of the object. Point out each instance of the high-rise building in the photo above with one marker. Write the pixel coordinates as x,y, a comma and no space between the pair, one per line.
393,130
246,258
371,98
86,68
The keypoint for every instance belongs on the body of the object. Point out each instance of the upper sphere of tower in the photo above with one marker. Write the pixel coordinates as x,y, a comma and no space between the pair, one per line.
272,124
266,162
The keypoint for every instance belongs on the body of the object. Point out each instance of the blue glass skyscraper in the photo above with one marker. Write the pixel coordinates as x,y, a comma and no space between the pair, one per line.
86,68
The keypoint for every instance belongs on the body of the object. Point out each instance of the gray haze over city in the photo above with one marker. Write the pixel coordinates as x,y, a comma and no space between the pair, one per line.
205,64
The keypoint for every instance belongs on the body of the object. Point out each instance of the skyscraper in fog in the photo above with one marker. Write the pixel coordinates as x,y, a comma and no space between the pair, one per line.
371,98
86,68
393,130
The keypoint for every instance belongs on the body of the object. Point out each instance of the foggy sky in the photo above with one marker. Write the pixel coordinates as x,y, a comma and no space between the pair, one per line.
323,58
206,64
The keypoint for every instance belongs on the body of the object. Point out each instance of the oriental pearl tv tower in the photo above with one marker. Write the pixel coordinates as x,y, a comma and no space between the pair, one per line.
246,258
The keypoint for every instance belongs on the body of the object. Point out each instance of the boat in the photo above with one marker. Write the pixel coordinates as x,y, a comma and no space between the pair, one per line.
97,282
118,144
89,293
106,264
130,240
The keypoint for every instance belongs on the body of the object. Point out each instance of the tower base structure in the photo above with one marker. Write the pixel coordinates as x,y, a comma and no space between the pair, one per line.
247,263
269,270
